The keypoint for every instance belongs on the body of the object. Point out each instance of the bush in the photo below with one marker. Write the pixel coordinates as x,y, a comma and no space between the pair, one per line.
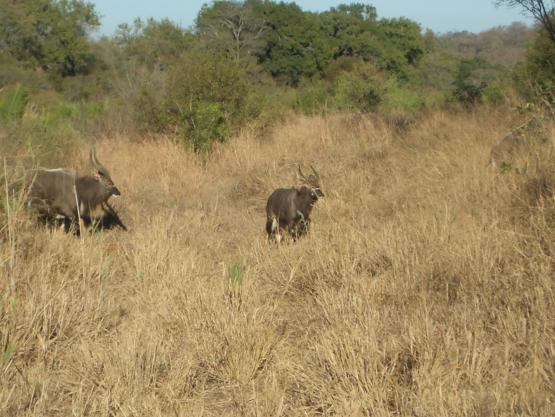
45,132
401,98
206,98
149,111
493,94
207,124
535,78
361,89
473,79
312,99
13,102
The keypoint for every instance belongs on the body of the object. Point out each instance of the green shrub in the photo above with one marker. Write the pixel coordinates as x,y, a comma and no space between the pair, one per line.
361,89
207,123
51,142
206,98
535,78
401,98
45,132
312,99
149,112
493,93
473,78
266,106
13,101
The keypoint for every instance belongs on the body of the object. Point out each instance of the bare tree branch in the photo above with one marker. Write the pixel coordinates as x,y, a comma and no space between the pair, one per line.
541,10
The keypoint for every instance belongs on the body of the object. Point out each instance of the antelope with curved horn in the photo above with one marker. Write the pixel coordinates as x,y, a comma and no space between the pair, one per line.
61,193
289,208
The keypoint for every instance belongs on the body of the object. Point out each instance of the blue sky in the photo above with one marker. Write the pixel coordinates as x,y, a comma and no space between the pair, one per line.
438,15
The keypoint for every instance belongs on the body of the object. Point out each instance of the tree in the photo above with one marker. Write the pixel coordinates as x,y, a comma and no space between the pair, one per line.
296,46
540,10
352,30
206,97
152,42
403,43
50,34
233,27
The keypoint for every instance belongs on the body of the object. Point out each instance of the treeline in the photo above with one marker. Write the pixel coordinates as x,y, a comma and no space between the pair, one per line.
242,64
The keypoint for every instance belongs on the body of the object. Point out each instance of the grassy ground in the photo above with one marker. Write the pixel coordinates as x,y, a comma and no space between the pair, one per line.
425,288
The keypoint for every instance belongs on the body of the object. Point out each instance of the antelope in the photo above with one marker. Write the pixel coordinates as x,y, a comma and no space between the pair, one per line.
521,141
60,193
289,208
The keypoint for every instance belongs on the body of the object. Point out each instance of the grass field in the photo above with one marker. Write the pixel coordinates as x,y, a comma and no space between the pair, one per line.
426,287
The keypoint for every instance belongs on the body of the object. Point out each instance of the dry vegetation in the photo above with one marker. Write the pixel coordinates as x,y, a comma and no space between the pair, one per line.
425,287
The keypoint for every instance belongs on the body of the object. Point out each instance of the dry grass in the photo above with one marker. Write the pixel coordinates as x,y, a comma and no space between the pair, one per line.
425,287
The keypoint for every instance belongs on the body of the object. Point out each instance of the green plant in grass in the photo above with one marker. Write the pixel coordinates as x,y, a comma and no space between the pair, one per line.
13,101
236,274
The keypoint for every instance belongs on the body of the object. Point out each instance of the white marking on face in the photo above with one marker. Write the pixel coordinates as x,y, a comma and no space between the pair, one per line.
274,224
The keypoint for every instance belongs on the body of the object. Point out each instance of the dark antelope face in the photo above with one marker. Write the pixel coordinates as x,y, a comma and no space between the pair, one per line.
312,182
103,175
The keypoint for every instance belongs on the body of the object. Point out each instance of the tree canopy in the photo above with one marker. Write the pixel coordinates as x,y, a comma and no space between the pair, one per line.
50,34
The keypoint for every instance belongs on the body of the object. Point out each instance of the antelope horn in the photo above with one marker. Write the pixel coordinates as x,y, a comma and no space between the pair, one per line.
302,176
313,170
99,167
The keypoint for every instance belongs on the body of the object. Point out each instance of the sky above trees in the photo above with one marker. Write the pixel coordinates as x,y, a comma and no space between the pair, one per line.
439,15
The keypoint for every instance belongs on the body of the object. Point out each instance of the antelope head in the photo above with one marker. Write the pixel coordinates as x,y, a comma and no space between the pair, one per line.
312,181
103,175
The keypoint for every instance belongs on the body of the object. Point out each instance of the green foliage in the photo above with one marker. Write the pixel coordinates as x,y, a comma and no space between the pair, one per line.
312,98
233,28
49,138
301,44
352,31
245,64
493,93
152,42
296,47
206,97
504,167
402,99
535,79
49,34
7,351
361,89
473,78
206,123
47,132
236,274
403,45
437,70
13,102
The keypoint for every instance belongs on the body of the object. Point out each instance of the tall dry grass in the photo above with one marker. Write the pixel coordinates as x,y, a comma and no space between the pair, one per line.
424,289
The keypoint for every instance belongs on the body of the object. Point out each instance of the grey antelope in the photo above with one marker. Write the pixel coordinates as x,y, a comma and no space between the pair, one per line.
56,193
289,208
528,139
